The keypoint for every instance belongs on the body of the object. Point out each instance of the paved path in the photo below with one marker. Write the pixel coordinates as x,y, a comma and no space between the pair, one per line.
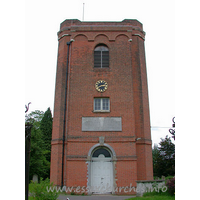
94,197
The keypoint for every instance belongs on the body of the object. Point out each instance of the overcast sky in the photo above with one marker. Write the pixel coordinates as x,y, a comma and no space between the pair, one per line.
43,20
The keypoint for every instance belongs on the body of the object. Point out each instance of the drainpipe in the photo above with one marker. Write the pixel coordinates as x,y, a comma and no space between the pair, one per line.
65,108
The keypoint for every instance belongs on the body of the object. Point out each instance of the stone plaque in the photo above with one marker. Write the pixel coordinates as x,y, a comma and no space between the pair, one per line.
101,124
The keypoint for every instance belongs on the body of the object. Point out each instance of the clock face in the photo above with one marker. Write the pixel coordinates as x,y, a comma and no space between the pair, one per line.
101,86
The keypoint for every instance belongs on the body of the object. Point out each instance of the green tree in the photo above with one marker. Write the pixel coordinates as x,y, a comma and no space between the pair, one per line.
34,118
167,152
156,160
46,130
164,158
39,164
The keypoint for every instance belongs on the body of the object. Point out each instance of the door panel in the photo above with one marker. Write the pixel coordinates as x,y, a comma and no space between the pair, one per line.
102,175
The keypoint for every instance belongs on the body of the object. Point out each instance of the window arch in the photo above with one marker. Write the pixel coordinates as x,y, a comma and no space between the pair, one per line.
101,56
103,151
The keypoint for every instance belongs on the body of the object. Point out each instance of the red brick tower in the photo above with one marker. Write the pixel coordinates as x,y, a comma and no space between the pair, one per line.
101,111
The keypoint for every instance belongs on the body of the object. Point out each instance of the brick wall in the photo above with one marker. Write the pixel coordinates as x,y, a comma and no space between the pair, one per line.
128,93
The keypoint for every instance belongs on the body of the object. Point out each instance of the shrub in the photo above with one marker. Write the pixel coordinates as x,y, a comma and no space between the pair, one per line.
171,186
39,190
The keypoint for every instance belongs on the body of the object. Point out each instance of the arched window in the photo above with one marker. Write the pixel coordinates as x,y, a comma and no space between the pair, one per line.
103,151
101,56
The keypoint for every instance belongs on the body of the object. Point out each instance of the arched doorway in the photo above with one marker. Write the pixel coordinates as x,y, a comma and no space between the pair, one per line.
101,171
101,175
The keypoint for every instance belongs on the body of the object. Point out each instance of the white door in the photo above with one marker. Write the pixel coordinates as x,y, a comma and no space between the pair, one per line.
101,175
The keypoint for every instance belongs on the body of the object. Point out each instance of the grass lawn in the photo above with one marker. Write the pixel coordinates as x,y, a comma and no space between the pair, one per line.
157,197
154,196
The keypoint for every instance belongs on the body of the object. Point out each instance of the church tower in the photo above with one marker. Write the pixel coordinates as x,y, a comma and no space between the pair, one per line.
101,126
